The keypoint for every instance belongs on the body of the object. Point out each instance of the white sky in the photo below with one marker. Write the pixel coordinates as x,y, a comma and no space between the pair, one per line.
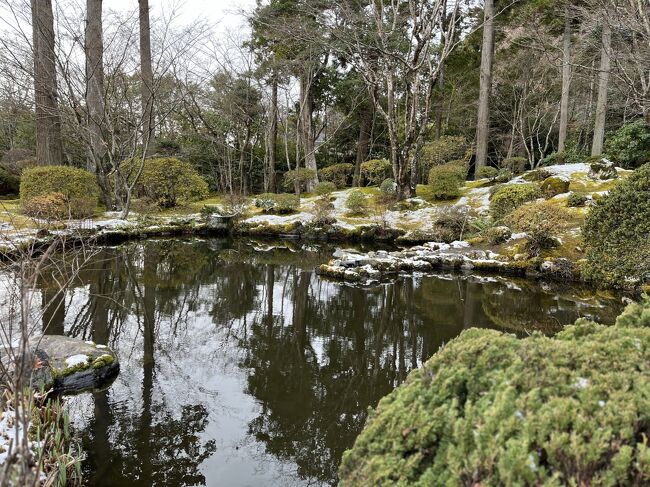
226,14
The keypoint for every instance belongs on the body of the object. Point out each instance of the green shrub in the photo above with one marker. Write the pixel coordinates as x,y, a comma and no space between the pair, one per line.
339,174
541,221
506,198
629,146
375,171
554,185
324,188
322,211
446,180
446,148
504,176
570,156
357,203
78,187
497,235
491,409
487,172
617,232
279,204
49,206
166,181
9,184
515,165
301,175
388,187
576,200
451,223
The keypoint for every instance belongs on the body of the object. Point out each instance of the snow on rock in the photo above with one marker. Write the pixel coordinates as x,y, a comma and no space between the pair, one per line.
75,360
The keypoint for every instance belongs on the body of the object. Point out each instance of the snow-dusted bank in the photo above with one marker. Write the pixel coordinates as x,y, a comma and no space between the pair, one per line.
366,268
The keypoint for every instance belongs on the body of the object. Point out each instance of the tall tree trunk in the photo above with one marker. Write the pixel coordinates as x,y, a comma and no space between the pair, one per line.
273,133
487,50
566,81
49,143
603,81
363,144
94,50
146,72
441,75
306,129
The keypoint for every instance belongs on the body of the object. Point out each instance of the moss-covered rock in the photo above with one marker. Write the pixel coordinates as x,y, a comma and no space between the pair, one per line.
490,409
508,197
555,185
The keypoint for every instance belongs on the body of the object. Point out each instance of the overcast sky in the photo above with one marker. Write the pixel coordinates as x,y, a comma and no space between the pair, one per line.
224,13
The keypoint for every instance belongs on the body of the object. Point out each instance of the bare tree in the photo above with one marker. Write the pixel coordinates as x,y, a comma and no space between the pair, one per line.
487,53
49,143
603,84
566,80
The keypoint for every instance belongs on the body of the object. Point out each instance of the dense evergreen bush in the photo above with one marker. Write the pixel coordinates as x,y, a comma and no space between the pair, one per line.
324,188
167,182
506,198
629,146
301,175
356,202
446,148
9,184
541,221
576,199
491,409
78,189
447,179
388,187
617,232
373,172
339,174
279,204
515,165
487,172
504,175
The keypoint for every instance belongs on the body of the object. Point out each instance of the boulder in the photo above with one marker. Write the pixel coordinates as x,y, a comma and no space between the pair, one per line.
603,170
555,185
73,365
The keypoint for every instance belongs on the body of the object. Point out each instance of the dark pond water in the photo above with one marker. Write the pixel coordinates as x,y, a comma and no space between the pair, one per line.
241,367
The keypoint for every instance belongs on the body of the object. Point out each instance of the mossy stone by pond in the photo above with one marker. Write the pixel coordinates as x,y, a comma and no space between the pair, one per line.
74,365
490,409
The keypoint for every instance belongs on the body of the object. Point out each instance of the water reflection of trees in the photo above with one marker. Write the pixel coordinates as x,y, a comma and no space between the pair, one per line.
316,354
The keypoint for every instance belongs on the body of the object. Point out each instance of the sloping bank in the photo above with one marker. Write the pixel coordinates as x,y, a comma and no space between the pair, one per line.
490,409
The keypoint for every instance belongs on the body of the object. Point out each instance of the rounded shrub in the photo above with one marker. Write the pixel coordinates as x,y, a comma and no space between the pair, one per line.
78,188
356,202
9,184
541,221
617,232
576,200
324,188
506,198
629,146
504,176
279,204
339,174
491,409
441,151
446,180
515,165
487,172
388,187
167,182
375,171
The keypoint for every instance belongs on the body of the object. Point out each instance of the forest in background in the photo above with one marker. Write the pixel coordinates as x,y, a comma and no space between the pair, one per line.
317,83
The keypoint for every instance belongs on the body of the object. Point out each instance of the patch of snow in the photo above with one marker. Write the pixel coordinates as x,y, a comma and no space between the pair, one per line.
75,360
517,236
567,170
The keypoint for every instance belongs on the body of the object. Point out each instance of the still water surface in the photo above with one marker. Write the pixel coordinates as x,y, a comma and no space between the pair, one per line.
241,367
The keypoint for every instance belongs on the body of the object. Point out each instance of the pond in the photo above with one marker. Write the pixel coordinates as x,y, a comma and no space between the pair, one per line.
241,367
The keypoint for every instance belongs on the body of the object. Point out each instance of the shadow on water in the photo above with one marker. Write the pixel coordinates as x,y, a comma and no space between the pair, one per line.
240,366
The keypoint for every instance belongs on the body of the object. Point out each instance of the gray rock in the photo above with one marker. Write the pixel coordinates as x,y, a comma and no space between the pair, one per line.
75,365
